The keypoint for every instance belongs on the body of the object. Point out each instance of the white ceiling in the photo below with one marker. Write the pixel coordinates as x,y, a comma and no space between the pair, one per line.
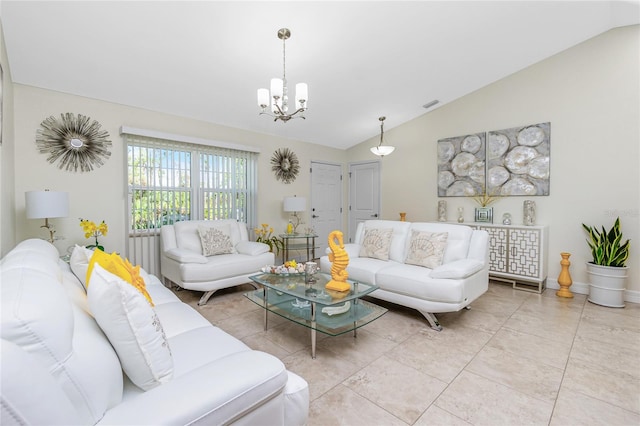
361,59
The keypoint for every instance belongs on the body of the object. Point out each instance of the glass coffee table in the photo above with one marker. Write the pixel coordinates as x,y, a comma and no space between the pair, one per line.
292,297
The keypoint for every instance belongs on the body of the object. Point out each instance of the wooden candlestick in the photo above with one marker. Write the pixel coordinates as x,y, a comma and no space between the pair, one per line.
564,279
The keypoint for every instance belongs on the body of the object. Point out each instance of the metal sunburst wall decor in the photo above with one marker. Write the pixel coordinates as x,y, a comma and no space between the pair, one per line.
77,142
285,165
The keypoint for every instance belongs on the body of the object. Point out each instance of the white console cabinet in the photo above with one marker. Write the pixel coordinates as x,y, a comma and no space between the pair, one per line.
518,255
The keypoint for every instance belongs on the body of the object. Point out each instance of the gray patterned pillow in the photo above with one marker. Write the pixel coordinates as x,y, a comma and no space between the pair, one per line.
376,243
215,240
426,248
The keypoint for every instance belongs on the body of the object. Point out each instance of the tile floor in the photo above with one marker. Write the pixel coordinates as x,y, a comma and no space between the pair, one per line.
515,358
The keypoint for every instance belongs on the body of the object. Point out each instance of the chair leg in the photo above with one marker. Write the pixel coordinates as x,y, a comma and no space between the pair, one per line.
205,297
433,321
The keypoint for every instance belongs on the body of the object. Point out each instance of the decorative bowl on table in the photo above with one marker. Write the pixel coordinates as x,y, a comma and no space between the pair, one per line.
288,268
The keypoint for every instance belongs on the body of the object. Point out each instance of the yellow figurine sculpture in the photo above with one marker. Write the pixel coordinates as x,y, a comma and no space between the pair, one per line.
339,259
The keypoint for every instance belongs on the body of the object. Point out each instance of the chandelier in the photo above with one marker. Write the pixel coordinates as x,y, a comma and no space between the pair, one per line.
382,150
279,93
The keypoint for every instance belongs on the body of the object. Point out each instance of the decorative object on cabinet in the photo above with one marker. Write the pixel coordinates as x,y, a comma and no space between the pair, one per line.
47,205
294,205
403,217
285,165
75,141
460,214
442,211
461,165
518,255
484,214
506,219
607,271
529,212
564,279
382,150
279,91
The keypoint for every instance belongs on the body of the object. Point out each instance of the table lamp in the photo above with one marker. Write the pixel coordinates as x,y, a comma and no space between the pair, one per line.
295,205
46,205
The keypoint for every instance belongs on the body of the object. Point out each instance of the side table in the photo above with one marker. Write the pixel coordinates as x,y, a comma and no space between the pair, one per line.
307,242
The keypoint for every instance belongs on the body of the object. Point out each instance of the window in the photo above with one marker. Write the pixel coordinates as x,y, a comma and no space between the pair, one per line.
169,181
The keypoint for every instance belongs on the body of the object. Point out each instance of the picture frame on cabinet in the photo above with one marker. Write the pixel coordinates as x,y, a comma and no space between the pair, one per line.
484,214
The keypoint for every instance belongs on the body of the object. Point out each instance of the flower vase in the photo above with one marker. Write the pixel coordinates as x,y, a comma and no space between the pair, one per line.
95,246
564,279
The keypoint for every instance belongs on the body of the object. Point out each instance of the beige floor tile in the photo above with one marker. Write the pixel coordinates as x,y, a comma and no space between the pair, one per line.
609,334
574,408
401,390
398,324
342,406
361,350
241,326
611,316
528,346
557,328
481,401
532,378
458,337
609,356
439,359
497,304
260,342
292,337
472,318
437,416
323,373
608,385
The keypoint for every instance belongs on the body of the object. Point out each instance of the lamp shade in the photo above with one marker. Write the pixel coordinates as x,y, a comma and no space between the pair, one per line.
382,150
295,204
46,204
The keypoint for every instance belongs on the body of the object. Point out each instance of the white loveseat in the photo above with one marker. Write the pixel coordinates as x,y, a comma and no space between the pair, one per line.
183,262
461,277
58,367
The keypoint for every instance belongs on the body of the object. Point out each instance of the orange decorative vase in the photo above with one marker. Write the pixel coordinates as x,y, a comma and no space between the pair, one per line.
564,279
403,217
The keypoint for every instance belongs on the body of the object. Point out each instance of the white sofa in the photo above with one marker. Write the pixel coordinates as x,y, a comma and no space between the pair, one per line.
462,276
183,263
58,367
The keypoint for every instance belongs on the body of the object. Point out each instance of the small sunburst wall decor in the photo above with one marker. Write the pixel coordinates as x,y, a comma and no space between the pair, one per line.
285,165
77,142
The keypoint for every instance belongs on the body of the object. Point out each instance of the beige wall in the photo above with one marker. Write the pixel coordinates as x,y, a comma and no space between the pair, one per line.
99,195
591,96
7,168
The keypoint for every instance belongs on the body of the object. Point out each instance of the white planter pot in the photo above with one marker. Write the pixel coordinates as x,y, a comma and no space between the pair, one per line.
607,285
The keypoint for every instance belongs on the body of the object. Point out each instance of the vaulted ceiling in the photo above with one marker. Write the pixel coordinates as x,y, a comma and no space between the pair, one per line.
361,59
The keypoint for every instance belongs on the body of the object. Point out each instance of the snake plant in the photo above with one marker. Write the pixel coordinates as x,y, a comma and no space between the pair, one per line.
607,248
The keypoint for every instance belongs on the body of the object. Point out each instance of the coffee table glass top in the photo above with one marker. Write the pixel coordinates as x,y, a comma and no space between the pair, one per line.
290,297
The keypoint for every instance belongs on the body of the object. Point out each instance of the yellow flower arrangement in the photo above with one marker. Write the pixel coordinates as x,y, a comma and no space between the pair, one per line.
92,230
265,235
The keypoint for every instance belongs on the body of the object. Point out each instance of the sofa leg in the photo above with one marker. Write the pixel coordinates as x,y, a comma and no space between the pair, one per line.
205,297
433,321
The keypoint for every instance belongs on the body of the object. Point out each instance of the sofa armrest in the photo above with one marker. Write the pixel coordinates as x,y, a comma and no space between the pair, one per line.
458,269
185,256
251,248
216,393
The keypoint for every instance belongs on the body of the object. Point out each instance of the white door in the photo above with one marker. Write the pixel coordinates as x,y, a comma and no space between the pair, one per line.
364,194
326,202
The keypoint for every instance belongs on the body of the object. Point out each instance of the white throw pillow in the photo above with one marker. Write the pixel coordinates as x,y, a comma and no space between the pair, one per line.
215,240
133,328
376,243
79,262
426,248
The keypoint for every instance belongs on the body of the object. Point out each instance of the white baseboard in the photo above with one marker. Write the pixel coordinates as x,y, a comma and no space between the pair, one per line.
631,296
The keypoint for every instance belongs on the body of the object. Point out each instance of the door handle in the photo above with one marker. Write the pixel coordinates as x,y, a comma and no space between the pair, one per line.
374,215
314,216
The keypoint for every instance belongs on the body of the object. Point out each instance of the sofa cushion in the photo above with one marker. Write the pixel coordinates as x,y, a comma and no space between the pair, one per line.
215,240
79,263
426,248
187,237
185,256
133,328
376,243
399,239
224,266
458,239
